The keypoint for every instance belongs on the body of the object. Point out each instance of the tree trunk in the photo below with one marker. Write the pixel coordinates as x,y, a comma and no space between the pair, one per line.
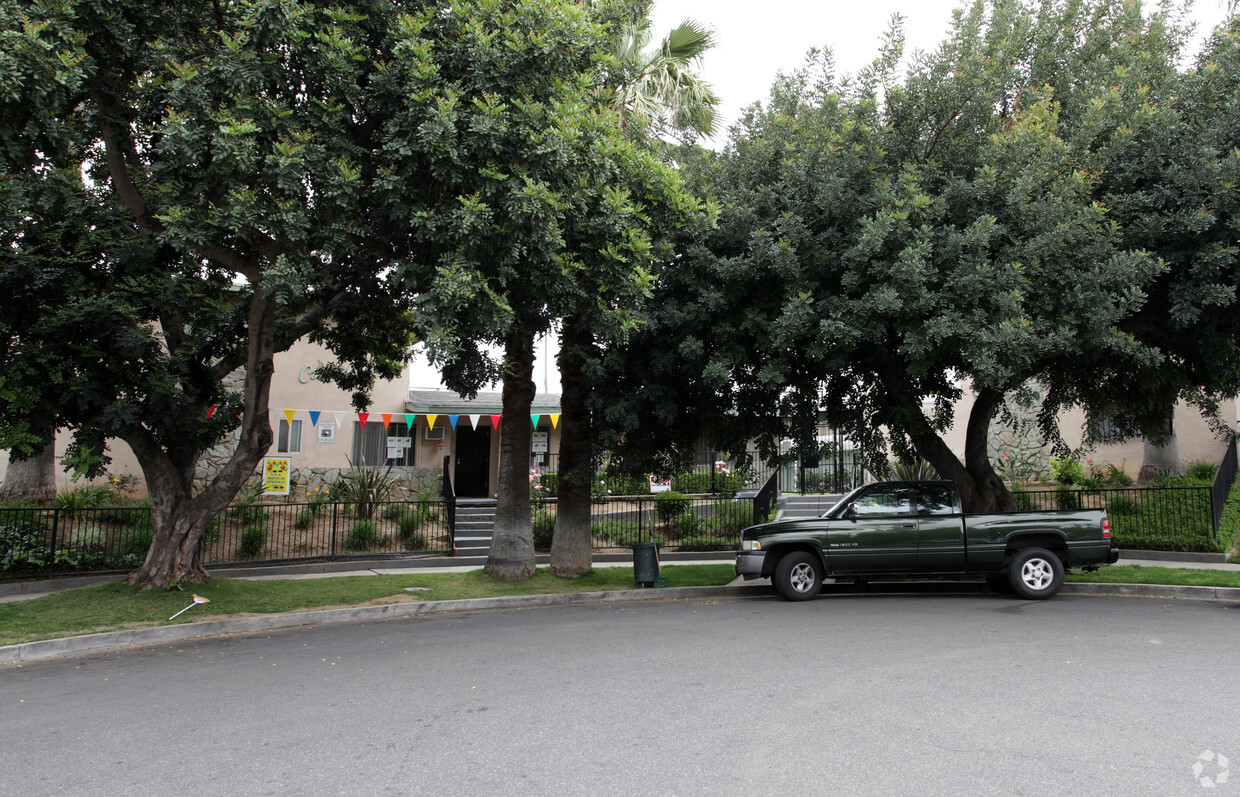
981,489
34,478
572,548
512,546
180,517
1162,451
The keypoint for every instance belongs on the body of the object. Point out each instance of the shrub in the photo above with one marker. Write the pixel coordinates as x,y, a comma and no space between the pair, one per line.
1067,498
130,514
246,514
670,505
364,489
23,546
363,535
1066,470
915,469
1024,498
305,518
687,524
87,537
86,496
1121,505
706,542
623,532
1114,476
1202,470
138,541
253,540
618,483
550,483
544,530
1169,520
729,518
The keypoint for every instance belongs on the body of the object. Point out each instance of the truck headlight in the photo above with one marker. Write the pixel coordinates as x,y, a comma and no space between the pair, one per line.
751,545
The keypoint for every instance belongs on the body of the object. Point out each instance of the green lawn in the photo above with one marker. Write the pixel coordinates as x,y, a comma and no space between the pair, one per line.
114,606
1180,576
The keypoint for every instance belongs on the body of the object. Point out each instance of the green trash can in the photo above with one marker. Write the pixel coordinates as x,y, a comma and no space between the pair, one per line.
645,564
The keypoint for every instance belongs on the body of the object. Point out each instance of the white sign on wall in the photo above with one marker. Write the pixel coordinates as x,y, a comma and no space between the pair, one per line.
541,443
325,432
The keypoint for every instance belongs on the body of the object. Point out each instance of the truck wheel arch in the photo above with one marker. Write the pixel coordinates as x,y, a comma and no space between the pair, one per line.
1055,543
780,551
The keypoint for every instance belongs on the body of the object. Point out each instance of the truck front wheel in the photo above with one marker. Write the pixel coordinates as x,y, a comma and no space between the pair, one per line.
1035,573
798,576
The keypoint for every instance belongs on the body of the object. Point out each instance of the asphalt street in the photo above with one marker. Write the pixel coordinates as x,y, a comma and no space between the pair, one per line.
849,694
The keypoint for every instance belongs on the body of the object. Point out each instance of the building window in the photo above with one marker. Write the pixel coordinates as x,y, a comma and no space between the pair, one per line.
288,440
374,445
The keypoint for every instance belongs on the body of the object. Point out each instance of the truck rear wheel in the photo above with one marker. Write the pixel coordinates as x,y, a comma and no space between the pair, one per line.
798,576
1035,573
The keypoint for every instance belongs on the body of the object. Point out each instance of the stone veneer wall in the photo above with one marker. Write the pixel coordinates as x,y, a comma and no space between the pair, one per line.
409,481
1018,439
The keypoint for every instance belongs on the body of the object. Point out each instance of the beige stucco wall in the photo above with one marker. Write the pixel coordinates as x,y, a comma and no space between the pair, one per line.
292,388
1197,441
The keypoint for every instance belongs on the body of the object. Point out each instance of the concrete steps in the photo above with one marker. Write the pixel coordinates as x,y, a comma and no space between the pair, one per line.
475,525
804,507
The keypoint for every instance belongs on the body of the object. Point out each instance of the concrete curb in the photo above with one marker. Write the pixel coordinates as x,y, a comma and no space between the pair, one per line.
31,651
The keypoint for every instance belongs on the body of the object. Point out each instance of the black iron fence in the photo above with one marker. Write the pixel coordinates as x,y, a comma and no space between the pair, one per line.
1151,518
673,521
49,542
717,473
1224,478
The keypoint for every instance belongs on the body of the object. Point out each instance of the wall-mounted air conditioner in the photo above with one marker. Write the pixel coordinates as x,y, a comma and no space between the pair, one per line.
434,434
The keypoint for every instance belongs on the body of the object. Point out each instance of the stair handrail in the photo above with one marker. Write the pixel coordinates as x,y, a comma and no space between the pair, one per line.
766,498
449,502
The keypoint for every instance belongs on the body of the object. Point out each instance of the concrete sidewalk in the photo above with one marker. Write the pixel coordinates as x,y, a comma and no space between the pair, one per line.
736,589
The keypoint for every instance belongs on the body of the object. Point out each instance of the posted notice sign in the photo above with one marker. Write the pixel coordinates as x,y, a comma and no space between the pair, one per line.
276,471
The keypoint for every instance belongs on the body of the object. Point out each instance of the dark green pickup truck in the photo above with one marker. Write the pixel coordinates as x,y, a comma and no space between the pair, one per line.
918,529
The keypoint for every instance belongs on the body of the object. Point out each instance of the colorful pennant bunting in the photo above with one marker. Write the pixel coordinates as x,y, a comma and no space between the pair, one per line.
314,418
387,419
473,420
555,420
495,421
430,420
361,418
452,419
535,418
288,416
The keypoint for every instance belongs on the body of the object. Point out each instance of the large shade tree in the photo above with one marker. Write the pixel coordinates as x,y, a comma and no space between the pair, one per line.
886,243
656,91
191,188
559,212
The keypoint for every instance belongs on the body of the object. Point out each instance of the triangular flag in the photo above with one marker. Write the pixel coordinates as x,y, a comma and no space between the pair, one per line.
288,416
211,410
473,420
339,418
452,419
387,419
495,421
430,420
409,419
361,417
314,418
535,418
555,420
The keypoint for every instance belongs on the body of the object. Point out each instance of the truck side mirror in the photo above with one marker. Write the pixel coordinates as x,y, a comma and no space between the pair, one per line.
850,512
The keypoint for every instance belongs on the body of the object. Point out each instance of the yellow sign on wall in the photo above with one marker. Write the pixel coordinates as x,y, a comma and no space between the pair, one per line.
276,472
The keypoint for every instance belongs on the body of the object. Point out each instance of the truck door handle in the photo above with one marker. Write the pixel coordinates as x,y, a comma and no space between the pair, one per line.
908,525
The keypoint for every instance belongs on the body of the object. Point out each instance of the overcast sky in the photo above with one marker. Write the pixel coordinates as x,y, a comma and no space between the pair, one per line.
757,39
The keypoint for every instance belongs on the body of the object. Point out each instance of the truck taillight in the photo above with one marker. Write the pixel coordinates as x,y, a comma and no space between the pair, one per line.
1106,528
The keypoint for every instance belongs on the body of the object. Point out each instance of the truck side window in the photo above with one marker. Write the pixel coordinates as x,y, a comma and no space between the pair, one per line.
936,499
883,502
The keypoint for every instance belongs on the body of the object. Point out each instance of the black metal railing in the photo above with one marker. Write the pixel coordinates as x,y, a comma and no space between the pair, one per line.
50,542
1224,478
449,500
766,499
1153,518
678,522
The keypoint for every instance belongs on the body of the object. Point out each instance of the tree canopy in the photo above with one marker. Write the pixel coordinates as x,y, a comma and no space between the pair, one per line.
189,189
887,242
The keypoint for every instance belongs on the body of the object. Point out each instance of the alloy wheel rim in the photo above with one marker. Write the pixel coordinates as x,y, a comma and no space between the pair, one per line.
1037,574
802,577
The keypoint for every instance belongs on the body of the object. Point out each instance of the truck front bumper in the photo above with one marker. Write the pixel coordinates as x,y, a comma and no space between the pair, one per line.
749,564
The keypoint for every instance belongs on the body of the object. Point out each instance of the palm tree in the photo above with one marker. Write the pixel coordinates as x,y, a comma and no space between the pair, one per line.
657,87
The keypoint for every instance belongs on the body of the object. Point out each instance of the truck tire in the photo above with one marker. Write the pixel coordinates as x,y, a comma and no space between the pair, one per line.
798,576
1035,573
